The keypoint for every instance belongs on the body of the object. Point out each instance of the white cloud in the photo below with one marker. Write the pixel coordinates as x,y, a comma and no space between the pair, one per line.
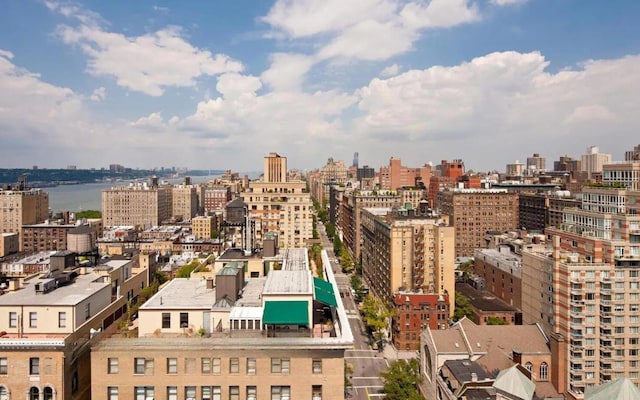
153,120
493,102
506,2
148,63
365,29
233,85
160,9
390,71
99,94
287,71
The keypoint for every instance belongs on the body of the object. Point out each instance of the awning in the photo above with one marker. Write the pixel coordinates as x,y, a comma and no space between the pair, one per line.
324,292
286,313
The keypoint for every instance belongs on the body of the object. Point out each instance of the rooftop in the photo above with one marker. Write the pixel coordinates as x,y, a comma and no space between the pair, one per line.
483,300
183,293
82,287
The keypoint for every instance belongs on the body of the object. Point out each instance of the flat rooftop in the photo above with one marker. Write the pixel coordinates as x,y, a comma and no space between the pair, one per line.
483,300
82,287
183,293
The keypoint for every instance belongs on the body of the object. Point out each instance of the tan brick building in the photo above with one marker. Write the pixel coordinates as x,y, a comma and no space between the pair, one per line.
49,324
473,212
22,207
278,205
185,202
405,251
203,227
206,343
137,205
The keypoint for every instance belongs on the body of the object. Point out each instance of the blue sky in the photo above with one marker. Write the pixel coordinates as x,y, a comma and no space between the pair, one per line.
220,84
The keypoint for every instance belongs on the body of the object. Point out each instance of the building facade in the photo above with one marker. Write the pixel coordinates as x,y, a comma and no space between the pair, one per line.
405,251
22,207
414,313
184,202
473,212
138,205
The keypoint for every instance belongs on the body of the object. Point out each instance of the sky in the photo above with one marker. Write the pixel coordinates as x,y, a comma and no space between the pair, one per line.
220,84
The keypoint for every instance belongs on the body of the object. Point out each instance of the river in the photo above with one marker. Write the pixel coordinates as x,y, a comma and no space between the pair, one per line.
88,196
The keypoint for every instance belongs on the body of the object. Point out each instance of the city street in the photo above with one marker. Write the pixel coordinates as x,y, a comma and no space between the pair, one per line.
367,363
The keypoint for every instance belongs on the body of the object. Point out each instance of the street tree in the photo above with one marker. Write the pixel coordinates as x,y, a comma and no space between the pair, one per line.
401,380
463,307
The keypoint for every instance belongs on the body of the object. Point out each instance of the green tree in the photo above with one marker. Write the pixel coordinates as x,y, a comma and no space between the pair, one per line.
401,380
346,262
337,246
463,307
88,214
496,321
376,315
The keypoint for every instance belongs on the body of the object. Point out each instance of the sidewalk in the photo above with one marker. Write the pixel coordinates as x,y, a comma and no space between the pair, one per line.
390,353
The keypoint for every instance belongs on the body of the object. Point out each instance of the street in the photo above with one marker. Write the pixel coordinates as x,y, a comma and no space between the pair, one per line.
367,363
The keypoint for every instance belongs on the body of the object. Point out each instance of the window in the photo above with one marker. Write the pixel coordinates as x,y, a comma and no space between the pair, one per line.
143,366
34,366
144,392
13,319
544,371
4,394
252,393
216,366
316,392
234,365
184,320
316,366
62,319
3,366
251,366
280,365
280,393
234,392
87,311
172,365
172,393
112,365
34,393
205,366
190,392
529,366
112,393
33,319
217,393
166,320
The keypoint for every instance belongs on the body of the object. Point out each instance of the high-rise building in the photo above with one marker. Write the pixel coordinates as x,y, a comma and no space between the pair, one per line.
515,169
590,307
137,205
536,163
473,212
184,202
405,250
632,155
22,207
216,197
396,175
593,161
275,169
350,214
280,206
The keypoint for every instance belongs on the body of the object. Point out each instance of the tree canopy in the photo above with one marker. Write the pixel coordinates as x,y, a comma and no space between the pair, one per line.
401,380
463,307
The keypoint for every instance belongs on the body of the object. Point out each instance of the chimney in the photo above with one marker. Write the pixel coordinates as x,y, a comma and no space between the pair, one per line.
474,377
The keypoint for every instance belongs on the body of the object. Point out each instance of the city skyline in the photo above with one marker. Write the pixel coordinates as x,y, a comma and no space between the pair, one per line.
221,85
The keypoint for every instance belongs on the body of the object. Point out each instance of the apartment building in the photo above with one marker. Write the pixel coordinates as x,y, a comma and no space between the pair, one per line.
593,161
624,174
204,227
415,312
22,207
278,205
404,250
334,172
49,323
501,269
396,175
590,290
139,205
352,204
45,236
184,202
473,212
196,343
215,197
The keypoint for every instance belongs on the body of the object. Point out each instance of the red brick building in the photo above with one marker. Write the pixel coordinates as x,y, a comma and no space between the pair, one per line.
415,312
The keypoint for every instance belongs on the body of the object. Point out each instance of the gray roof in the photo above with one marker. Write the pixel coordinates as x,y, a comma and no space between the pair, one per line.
288,282
81,288
462,370
183,293
620,389
515,383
